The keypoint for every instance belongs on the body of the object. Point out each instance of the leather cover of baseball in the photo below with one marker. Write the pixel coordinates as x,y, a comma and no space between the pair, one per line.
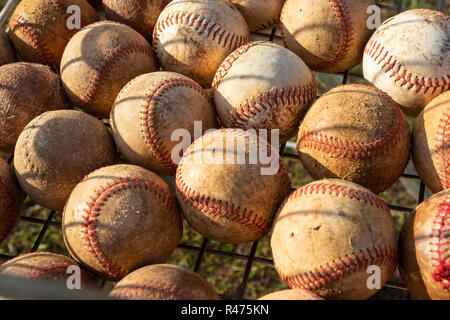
223,191
328,35
328,233
120,218
291,294
11,200
26,91
99,60
7,52
43,266
39,28
431,143
56,150
193,37
262,85
409,58
356,133
147,112
141,15
424,249
164,282
260,14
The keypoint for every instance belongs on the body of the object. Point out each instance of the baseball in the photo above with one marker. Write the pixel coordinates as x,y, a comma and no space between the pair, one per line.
7,53
26,91
409,58
328,233
277,90
193,37
330,35
141,15
260,14
120,218
424,263
99,60
223,190
431,143
56,150
40,30
43,266
150,109
356,133
11,200
291,294
164,282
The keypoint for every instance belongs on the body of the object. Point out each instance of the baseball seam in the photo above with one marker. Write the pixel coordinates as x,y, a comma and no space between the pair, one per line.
337,269
93,210
337,190
149,116
202,25
346,33
266,25
108,63
216,207
400,74
37,42
49,270
352,149
440,245
443,150
151,288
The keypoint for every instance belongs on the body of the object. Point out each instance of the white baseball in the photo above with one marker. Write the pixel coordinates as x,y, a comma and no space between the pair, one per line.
408,57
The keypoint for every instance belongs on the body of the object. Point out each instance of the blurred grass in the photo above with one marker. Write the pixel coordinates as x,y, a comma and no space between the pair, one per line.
226,273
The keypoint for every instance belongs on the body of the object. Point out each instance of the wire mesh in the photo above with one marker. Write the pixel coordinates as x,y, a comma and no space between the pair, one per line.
250,258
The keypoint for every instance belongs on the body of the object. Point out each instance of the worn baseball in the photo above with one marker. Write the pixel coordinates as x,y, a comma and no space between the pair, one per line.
356,133
260,14
7,52
11,200
56,150
141,15
99,60
262,85
409,58
431,143
120,218
41,29
228,192
164,282
26,91
326,236
44,266
193,37
424,249
150,109
330,35
291,294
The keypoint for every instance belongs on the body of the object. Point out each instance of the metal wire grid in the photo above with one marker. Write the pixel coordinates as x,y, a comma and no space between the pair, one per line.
251,258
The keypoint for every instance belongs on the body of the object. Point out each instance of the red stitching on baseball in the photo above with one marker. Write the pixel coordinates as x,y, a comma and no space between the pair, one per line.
202,25
443,149
150,288
222,71
337,190
391,66
94,207
108,63
340,267
149,116
351,149
346,32
269,100
216,207
267,24
36,41
440,244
